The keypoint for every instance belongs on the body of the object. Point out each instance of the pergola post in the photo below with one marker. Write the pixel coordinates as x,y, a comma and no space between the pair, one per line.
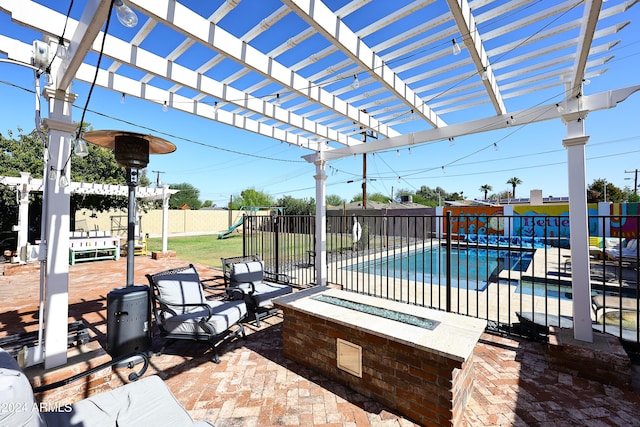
321,221
579,225
165,217
56,214
23,217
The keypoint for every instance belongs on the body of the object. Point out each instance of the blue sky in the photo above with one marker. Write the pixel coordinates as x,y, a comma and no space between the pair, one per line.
222,161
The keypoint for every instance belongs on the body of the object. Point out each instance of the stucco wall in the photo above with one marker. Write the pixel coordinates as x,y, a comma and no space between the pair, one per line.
181,222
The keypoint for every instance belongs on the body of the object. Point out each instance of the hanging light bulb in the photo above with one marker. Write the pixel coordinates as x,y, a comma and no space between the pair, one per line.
215,107
277,102
165,107
61,50
64,181
484,75
125,14
80,149
455,49
560,108
122,98
398,153
52,174
356,82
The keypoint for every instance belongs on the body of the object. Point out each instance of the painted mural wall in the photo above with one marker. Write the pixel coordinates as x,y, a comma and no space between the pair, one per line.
549,221
623,220
476,219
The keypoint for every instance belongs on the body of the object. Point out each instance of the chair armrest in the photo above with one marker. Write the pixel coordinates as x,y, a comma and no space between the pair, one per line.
133,376
168,305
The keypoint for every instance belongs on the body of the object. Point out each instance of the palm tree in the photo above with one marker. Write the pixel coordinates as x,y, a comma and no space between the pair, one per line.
485,189
514,181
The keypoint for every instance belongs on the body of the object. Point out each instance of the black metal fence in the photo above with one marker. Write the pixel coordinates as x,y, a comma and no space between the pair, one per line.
516,273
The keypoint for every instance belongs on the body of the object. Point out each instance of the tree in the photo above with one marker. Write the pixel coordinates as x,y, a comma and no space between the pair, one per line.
376,197
187,196
334,200
252,197
600,188
485,188
24,153
514,181
293,206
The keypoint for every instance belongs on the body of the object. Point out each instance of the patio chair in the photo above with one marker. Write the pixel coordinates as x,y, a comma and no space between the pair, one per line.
146,401
182,312
247,280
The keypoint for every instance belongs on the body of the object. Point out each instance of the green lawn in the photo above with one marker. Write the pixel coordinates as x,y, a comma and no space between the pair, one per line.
207,249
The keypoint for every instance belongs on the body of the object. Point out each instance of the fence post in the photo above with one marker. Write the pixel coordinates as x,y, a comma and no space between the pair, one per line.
276,241
448,268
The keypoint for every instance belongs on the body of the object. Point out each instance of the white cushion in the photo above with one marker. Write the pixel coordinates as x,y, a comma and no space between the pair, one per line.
19,406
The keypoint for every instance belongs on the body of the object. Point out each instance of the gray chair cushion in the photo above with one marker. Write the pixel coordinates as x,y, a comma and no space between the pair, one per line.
146,402
16,394
183,287
246,272
226,314
266,291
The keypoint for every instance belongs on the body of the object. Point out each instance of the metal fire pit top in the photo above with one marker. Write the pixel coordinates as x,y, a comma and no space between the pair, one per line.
409,319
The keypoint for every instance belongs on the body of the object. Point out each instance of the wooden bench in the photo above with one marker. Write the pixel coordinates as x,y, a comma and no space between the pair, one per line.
93,249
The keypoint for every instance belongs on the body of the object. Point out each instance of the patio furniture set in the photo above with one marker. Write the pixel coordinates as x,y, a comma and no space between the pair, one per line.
182,312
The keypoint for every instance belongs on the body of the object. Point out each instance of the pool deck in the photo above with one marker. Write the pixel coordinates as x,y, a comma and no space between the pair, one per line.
255,385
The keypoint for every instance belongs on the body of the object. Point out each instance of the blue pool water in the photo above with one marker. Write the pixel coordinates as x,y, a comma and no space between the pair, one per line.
471,267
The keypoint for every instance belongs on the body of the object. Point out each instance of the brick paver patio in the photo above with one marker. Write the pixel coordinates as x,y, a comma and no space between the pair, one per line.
255,385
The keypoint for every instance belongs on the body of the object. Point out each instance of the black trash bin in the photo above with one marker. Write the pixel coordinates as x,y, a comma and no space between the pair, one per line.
128,320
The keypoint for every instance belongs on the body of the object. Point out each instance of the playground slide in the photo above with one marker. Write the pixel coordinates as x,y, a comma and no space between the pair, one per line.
230,230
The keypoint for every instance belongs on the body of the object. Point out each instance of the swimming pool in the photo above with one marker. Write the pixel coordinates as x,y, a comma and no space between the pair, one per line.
471,268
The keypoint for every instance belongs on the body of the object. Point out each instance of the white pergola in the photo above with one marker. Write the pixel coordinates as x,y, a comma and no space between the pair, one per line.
324,76
25,184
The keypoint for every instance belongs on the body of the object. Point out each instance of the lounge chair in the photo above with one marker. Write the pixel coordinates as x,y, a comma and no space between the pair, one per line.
601,304
182,311
246,279
147,401
629,252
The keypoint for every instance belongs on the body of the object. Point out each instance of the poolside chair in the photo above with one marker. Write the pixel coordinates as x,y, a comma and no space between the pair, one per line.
182,312
629,252
247,280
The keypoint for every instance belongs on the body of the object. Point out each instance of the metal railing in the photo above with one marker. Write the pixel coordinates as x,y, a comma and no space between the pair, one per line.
515,272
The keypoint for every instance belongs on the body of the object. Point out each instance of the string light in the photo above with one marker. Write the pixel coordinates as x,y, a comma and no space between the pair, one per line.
455,48
560,108
215,107
64,181
80,148
277,101
452,141
356,82
122,98
165,107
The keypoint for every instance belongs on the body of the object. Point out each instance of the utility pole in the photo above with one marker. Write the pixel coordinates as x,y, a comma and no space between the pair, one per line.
158,177
635,180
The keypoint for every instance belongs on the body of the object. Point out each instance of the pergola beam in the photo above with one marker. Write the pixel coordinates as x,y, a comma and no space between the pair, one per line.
599,101
331,26
471,37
